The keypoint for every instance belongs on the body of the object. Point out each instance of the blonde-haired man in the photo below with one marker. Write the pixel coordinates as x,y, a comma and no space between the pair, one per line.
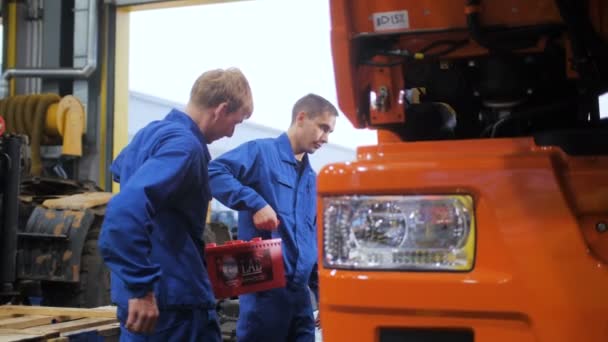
151,236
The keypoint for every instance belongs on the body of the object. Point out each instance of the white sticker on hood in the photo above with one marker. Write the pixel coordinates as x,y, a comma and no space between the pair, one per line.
389,21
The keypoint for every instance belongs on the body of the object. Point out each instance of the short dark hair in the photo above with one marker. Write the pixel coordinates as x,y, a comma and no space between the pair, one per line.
313,105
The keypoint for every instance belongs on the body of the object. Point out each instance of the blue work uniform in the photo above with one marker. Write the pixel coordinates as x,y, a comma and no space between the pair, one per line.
151,238
246,179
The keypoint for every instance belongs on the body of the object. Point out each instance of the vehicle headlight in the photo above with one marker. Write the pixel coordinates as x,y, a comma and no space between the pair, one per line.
399,232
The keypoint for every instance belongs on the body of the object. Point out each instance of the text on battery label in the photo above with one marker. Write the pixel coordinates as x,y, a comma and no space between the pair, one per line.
386,21
250,267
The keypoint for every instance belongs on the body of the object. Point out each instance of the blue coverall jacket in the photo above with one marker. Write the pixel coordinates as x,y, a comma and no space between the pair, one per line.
246,179
151,238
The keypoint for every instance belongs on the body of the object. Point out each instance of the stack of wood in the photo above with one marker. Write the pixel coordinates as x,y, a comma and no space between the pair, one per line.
53,324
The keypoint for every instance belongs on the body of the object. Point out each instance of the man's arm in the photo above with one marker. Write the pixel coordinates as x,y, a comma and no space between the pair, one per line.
124,240
228,174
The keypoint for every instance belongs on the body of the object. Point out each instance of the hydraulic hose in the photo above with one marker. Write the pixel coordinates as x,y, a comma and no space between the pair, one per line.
30,109
473,10
10,108
18,114
38,130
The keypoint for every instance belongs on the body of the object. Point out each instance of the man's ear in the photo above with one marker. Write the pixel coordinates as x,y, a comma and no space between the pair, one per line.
301,116
220,110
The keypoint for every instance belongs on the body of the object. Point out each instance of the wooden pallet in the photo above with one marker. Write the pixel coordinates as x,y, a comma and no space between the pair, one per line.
51,324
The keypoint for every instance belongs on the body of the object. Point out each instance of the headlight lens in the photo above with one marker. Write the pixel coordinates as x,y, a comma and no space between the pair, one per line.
399,232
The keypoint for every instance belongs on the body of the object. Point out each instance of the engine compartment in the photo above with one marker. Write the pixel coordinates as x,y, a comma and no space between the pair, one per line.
474,74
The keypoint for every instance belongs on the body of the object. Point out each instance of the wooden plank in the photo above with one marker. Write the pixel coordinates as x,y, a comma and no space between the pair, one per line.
25,321
105,312
28,321
14,335
78,324
112,329
80,201
109,330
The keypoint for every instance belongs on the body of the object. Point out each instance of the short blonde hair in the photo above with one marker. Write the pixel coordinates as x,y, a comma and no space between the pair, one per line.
222,85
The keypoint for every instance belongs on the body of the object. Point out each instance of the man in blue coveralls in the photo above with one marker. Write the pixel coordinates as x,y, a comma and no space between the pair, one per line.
271,184
151,238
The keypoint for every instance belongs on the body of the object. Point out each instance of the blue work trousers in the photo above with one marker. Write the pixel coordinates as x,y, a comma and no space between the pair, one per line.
196,325
277,315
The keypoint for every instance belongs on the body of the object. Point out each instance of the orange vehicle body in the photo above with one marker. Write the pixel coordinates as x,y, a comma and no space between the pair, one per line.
541,248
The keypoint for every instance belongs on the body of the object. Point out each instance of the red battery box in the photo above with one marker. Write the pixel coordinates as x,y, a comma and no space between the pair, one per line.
239,267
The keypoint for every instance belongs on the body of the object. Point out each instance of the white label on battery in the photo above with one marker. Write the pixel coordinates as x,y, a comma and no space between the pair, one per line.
389,21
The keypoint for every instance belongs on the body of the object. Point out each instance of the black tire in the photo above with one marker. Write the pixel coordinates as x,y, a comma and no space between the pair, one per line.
93,290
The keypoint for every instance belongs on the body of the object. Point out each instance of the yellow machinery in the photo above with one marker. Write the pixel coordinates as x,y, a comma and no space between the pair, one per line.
43,118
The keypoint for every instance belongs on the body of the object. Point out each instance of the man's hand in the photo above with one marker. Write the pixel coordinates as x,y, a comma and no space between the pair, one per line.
266,218
143,314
